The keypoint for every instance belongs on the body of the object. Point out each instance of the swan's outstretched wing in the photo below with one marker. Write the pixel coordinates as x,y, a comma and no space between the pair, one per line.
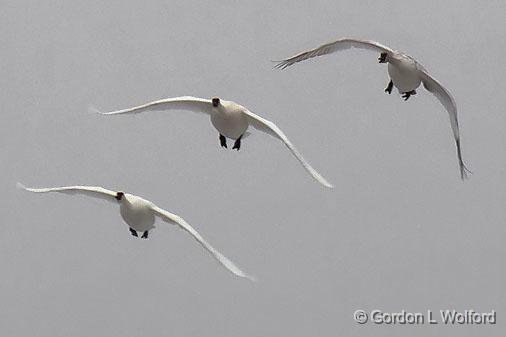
92,191
446,99
175,219
341,44
269,127
189,103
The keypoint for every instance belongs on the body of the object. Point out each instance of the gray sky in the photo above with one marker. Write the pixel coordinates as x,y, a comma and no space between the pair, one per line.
399,231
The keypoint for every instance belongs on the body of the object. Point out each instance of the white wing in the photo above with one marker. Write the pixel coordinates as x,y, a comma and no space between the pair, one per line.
175,219
189,103
341,44
92,191
446,99
269,127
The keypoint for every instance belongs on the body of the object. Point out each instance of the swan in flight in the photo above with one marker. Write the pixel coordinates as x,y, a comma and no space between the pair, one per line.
229,118
406,74
140,216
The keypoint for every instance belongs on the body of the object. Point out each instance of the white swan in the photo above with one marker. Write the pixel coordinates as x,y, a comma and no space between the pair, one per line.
406,75
140,215
229,118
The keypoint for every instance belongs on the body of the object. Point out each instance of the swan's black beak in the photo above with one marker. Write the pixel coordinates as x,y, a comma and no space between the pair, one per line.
119,196
216,101
383,58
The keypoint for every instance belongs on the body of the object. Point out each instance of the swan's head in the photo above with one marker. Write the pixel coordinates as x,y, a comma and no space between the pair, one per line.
383,57
216,101
119,195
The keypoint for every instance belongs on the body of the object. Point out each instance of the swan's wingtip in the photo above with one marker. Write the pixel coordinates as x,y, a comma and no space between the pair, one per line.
239,273
324,182
464,172
280,65
20,186
93,109
250,278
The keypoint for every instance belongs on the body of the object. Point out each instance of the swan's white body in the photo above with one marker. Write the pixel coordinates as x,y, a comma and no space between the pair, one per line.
229,118
405,72
140,214
137,212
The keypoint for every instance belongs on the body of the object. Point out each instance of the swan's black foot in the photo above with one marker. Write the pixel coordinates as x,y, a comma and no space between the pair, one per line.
145,235
383,58
133,232
237,144
389,87
223,141
408,94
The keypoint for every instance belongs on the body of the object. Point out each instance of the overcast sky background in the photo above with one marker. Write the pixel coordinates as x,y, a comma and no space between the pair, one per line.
399,231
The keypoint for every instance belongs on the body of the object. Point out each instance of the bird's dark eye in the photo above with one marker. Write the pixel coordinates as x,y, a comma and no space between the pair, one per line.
119,195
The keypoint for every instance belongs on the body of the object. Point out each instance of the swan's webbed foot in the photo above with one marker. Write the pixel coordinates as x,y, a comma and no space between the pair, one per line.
145,235
133,232
389,87
223,141
383,58
237,144
408,94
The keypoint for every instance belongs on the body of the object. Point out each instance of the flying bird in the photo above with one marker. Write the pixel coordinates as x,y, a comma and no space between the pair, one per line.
140,215
229,118
406,74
